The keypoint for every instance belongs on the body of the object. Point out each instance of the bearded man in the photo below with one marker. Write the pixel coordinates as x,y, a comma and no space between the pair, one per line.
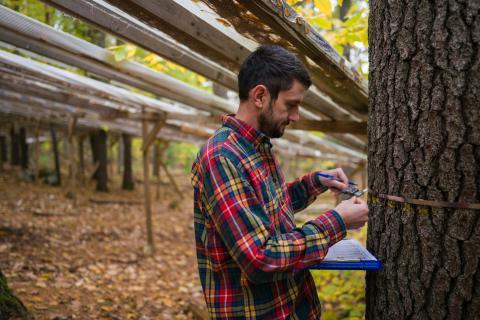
252,258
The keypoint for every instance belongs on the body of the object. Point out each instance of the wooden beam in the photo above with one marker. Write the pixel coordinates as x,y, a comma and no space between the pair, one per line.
152,135
147,140
111,20
72,166
172,180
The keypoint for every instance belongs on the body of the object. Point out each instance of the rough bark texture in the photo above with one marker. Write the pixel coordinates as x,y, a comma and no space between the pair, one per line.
10,306
127,183
424,142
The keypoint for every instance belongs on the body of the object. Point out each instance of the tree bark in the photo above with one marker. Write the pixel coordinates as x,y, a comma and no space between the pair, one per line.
15,147
93,137
10,306
424,143
127,183
3,151
24,159
56,156
102,158
81,159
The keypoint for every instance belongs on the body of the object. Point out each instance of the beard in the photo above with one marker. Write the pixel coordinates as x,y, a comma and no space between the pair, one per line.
267,124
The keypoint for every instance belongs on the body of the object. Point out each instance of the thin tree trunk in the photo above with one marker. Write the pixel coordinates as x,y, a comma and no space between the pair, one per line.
127,183
56,156
24,159
3,151
101,152
37,153
93,138
15,147
81,160
424,143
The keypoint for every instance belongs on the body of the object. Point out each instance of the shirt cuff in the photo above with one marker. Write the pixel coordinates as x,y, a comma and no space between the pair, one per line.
315,184
333,224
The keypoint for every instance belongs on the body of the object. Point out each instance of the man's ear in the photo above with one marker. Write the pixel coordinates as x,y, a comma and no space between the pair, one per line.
259,95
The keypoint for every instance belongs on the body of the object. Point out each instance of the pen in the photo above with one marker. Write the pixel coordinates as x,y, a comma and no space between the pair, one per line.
329,176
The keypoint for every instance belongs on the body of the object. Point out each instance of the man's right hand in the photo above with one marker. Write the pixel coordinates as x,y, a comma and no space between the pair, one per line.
354,212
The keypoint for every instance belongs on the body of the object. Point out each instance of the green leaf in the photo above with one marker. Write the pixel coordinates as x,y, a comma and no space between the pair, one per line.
120,53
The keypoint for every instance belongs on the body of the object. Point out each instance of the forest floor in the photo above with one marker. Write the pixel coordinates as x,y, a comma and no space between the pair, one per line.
88,261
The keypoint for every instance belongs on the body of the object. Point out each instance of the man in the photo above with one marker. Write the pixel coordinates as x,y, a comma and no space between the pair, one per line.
251,256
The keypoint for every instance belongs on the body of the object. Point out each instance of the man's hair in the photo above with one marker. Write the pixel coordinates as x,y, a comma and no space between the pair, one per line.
273,66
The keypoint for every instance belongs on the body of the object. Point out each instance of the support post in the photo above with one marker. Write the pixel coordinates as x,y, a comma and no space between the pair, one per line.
72,172
148,138
172,180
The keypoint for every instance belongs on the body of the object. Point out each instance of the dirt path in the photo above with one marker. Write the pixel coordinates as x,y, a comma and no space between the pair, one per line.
88,262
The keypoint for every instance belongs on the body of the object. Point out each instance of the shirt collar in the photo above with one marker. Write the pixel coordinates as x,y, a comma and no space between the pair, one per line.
254,136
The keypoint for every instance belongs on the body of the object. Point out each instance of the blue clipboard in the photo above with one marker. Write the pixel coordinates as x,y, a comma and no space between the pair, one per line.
348,254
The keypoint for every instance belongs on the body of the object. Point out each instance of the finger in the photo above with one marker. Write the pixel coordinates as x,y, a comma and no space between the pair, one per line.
360,201
341,175
337,185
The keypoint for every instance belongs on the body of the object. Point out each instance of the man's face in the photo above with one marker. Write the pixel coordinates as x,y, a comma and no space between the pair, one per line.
278,114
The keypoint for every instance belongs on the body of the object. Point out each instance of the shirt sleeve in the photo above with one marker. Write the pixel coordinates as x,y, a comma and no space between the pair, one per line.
243,225
304,190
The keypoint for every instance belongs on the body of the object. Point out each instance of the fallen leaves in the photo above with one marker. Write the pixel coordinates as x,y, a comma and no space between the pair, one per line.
88,262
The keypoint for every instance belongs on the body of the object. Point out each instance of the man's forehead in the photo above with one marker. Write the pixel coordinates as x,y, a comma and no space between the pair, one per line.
296,92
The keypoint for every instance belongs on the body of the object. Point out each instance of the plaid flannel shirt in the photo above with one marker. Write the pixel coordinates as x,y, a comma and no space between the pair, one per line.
251,256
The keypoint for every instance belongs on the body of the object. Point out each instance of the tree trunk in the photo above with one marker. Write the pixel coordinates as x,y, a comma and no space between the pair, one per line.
81,160
93,137
3,151
10,306
127,183
155,159
56,156
102,158
15,147
23,148
424,143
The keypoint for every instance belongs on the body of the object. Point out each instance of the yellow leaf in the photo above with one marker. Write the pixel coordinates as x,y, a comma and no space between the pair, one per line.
324,6
322,23
131,50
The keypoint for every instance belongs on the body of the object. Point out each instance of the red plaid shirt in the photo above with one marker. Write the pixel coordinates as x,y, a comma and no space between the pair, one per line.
251,256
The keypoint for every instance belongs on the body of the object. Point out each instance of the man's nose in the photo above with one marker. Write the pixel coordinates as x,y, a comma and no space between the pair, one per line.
294,115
